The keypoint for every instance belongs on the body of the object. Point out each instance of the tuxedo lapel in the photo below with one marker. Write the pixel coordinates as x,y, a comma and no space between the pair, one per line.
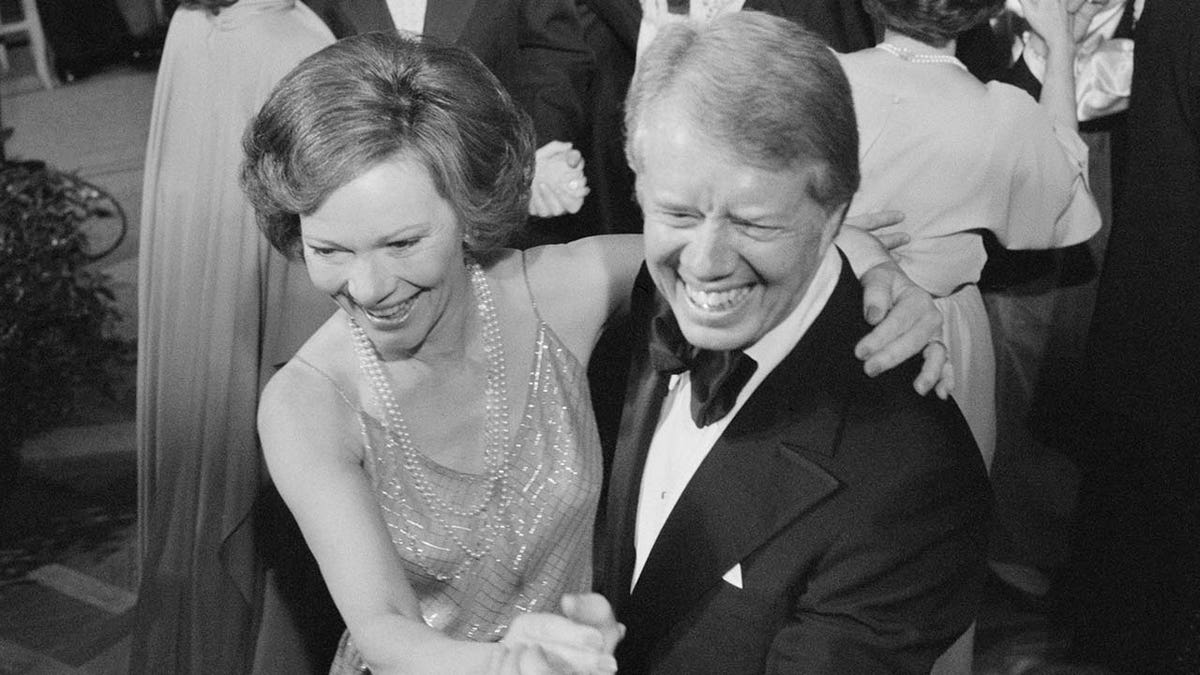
744,492
446,19
644,395
759,477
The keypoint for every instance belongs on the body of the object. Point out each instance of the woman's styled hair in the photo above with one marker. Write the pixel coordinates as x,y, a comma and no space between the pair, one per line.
378,96
764,88
934,22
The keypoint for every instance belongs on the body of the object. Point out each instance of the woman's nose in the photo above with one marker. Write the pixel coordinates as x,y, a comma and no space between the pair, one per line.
368,283
709,252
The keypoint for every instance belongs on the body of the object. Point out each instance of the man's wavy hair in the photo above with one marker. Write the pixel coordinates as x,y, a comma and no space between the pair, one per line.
768,90
375,97
934,22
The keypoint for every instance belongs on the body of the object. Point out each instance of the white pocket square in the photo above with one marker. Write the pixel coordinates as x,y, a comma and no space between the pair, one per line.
734,576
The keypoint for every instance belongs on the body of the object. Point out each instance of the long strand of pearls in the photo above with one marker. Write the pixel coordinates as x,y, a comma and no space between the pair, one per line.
497,460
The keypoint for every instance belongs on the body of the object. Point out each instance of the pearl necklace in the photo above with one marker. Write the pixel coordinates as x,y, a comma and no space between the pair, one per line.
496,455
918,57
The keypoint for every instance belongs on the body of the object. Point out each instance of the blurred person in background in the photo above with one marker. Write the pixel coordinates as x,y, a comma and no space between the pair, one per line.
218,310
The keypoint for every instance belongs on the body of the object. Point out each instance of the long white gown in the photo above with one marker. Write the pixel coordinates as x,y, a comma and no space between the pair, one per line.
216,309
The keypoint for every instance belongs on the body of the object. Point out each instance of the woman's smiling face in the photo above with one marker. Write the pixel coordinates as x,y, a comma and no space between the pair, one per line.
388,248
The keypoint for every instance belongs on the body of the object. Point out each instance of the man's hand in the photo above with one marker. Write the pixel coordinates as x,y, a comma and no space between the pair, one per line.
559,185
906,323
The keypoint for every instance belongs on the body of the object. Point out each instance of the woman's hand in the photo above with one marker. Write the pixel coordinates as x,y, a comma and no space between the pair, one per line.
560,644
877,220
656,13
559,185
592,609
906,323
1082,13
526,659
1052,21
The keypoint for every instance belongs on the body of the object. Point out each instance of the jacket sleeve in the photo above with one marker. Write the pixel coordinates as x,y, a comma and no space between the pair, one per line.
622,16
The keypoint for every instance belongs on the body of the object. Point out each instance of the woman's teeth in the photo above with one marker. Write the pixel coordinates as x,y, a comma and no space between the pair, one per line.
395,313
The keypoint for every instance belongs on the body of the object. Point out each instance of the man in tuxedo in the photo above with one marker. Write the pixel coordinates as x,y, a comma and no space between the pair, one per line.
771,507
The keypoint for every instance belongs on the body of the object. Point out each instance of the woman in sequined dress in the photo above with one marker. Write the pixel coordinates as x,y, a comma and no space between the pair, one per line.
435,439
476,551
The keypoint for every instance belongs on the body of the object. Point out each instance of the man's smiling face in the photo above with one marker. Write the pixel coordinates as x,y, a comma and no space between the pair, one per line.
730,245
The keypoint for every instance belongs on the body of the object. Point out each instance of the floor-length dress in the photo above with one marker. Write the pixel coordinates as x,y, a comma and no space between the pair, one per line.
959,157
217,309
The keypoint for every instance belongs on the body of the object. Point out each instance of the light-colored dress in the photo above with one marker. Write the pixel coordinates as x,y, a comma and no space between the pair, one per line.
958,157
216,309
540,546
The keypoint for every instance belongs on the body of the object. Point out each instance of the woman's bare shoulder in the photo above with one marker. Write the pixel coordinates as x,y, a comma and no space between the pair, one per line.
313,397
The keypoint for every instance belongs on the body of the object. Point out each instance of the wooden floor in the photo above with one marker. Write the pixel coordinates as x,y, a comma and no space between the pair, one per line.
67,542
67,565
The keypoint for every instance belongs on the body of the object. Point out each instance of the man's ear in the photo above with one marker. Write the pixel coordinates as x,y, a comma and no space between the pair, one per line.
833,224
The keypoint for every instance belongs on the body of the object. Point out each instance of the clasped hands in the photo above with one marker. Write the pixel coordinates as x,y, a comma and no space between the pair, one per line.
578,642
559,185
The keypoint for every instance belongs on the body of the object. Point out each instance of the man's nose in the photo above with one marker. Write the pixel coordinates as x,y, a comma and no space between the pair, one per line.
709,254
368,282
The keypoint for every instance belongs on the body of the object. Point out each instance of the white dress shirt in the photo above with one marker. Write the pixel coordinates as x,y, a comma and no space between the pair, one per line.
679,446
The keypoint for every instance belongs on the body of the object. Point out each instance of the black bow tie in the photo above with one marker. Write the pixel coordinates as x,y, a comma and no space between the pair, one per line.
717,376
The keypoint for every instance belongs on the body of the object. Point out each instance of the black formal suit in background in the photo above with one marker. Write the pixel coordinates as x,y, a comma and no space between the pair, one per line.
856,509
1134,586
534,47
844,24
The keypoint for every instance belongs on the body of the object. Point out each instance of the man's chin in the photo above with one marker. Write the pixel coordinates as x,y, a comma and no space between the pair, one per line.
716,338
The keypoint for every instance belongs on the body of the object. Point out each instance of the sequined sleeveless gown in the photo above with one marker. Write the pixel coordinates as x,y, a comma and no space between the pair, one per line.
539,548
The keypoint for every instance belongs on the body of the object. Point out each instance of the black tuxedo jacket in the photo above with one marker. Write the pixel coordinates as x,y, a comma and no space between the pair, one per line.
534,47
855,508
844,24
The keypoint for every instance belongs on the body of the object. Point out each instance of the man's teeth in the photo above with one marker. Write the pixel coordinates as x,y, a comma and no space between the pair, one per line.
715,301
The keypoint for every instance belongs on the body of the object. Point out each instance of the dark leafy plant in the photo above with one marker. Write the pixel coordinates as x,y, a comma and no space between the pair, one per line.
56,314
